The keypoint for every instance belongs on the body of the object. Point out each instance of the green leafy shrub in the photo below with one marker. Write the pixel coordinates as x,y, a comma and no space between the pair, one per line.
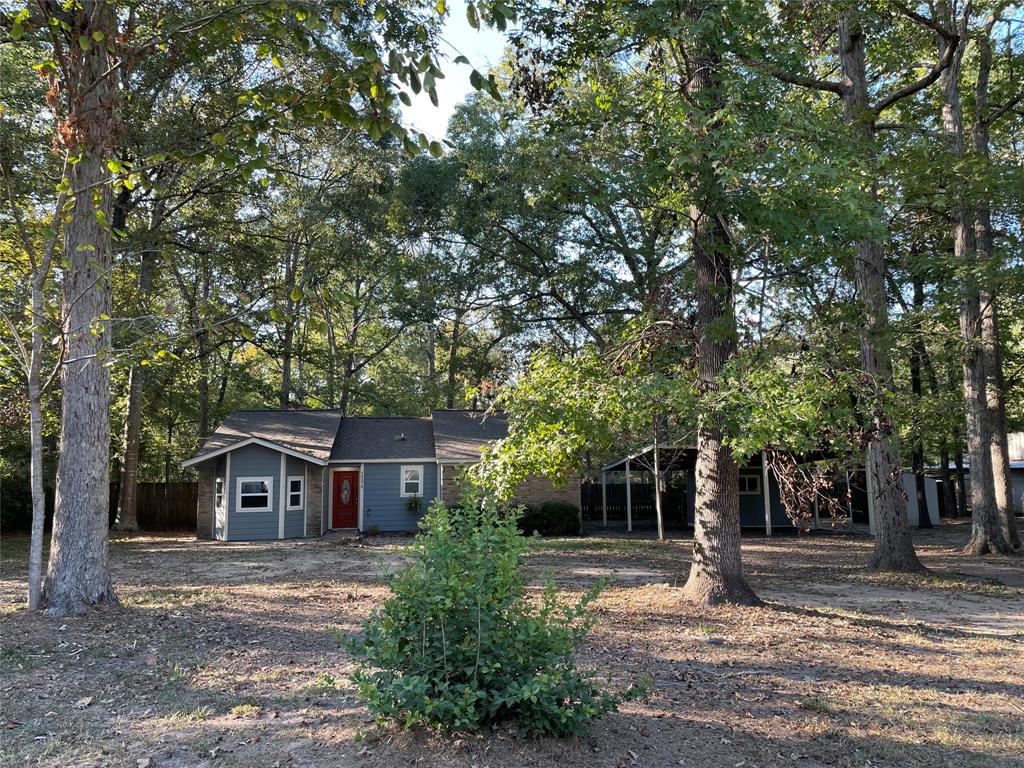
552,518
459,646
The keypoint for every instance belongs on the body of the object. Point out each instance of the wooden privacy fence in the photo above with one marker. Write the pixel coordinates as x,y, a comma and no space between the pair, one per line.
162,506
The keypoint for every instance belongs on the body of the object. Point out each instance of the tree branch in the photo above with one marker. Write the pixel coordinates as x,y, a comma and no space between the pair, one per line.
933,25
805,81
921,83
1007,107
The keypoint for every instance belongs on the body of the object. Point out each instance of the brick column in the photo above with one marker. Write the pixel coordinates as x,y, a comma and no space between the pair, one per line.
204,507
314,500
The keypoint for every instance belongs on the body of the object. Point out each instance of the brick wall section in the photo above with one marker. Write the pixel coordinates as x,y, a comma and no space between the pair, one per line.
450,486
534,490
537,490
204,507
314,500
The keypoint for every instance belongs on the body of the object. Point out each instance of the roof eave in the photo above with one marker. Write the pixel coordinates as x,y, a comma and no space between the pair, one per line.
200,458
396,460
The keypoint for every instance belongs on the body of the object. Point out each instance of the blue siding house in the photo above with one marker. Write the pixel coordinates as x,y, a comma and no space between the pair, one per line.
287,474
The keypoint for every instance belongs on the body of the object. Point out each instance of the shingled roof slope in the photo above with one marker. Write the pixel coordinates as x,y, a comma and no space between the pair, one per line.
363,438
311,432
459,435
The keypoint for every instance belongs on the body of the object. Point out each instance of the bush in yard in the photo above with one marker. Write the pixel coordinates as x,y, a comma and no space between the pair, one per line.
459,646
552,518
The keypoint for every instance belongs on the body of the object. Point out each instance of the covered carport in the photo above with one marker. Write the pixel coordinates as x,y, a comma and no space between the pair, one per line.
760,504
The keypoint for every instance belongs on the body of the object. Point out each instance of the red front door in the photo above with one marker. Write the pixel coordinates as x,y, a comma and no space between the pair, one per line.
345,506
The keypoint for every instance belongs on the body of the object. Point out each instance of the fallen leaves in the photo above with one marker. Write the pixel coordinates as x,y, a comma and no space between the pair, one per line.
826,667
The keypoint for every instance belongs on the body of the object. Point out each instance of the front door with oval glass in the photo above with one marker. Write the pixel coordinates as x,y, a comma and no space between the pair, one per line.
345,504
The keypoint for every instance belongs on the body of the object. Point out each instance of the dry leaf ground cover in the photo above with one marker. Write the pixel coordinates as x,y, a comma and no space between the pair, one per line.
227,655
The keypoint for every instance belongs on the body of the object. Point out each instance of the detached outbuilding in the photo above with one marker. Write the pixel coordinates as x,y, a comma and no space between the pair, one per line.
626,493
281,474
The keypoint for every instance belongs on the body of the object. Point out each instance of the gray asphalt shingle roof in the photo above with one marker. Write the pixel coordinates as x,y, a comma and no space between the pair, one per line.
447,435
366,437
309,432
459,435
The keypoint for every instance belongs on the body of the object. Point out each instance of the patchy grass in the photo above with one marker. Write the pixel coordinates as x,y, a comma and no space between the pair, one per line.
953,582
188,716
229,655
174,599
246,709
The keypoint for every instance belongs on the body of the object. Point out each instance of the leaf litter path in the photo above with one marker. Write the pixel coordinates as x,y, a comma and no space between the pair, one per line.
228,655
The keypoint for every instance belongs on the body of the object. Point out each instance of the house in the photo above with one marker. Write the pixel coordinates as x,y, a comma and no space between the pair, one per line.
282,474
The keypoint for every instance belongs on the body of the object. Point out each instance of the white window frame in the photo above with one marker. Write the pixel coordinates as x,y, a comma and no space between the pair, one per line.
756,479
302,491
238,494
219,497
401,481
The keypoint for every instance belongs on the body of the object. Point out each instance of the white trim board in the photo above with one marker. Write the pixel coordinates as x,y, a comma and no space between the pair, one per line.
335,463
252,441
227,499
359,514
280,511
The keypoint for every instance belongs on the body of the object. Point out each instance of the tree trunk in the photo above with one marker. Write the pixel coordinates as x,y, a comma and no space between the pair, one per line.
127,467
453,356
203,385
948,483
168,452
716,572
961,482
986,532
351,339
350,367
916,357
78,577
332,360
994,383
894,549
127,513
431,352
286,364
35,557
1000,448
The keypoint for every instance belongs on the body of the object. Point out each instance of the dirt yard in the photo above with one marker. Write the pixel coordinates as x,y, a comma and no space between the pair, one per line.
227,655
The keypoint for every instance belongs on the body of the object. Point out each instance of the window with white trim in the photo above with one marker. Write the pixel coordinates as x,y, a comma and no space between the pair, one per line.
255,493
218,494
412,481
295,492
750,485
